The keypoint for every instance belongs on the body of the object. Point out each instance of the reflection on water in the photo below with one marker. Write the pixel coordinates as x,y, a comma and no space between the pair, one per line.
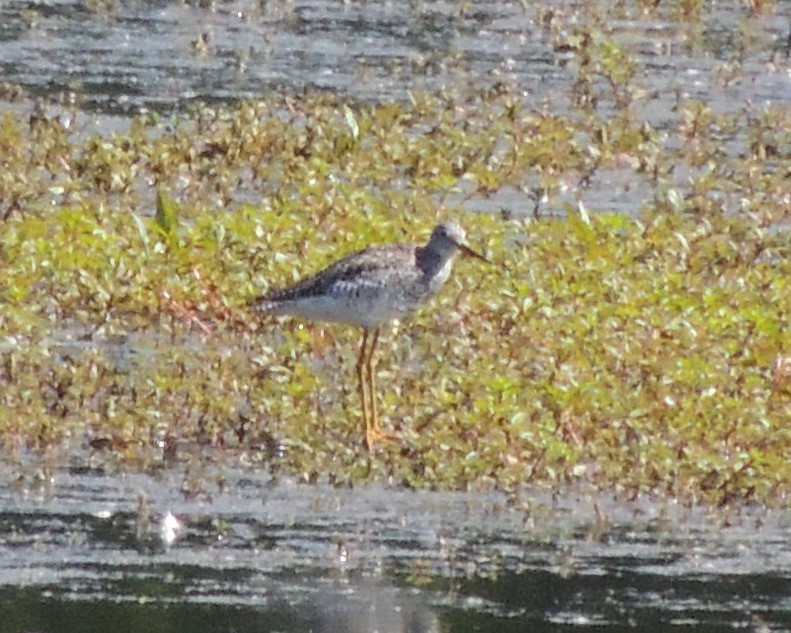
125,55
160,54
34,610
80,549
367,607
121,57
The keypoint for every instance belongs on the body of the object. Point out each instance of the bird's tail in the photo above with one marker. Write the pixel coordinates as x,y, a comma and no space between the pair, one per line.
264,304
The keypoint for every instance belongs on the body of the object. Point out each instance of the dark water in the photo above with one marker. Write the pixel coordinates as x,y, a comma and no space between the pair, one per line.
80,551
124,56
160,54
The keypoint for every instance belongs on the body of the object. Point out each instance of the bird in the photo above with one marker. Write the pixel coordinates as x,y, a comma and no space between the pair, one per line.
369,288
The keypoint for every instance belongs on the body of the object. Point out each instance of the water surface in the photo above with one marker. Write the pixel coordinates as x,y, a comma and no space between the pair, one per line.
81,547
116,58
78,550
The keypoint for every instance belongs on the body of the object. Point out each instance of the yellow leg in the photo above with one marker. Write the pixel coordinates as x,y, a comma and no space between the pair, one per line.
361,366
366,385
376,430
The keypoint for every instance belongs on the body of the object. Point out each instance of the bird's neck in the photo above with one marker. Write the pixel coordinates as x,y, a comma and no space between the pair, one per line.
431,261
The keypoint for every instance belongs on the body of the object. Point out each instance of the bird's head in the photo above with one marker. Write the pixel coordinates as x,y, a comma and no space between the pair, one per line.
449,236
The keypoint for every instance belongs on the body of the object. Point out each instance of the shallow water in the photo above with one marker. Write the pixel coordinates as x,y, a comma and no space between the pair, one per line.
79,550
161,54
114,58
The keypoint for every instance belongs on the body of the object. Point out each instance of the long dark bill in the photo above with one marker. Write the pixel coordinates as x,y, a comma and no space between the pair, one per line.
468,251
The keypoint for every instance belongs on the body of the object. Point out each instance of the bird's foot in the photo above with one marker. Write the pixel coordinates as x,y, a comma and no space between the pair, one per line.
378,434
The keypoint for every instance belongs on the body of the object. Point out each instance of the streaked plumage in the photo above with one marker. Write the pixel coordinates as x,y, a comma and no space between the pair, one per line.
369,288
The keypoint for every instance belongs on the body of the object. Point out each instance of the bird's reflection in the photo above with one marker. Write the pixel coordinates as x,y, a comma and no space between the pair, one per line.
360,608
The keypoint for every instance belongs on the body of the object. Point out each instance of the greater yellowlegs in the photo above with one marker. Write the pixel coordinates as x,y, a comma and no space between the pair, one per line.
369,288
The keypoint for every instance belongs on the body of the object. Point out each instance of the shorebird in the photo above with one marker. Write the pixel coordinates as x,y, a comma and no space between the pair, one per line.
369,288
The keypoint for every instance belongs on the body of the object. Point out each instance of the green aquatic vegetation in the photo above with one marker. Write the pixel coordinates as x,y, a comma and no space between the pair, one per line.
634,354
604,69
